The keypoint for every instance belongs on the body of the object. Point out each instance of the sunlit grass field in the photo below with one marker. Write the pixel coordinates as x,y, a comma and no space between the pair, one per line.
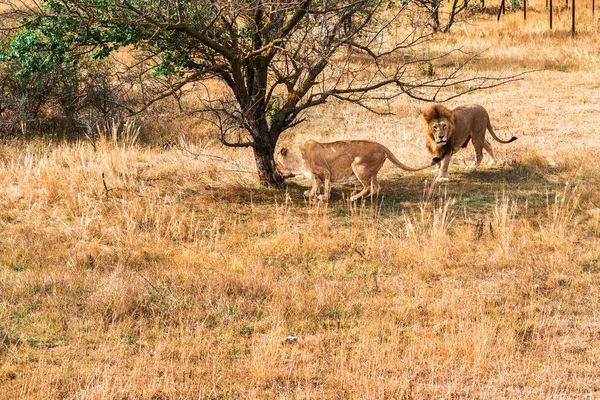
137,272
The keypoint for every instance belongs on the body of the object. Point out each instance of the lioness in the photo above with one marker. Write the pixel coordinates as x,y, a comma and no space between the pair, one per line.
337,162
447,131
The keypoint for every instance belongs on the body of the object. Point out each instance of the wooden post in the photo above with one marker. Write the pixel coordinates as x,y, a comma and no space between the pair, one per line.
525,10
550,14
500,10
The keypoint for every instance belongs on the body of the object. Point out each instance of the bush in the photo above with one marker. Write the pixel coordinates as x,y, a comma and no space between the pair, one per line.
69,103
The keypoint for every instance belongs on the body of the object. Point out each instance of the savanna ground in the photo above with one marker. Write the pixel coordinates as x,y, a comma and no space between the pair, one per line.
178,276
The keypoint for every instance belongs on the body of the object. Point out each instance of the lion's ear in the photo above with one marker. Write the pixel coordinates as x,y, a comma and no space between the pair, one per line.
426,117
284,151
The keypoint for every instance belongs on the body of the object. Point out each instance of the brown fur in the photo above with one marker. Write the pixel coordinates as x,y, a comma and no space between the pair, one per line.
447,131
337,162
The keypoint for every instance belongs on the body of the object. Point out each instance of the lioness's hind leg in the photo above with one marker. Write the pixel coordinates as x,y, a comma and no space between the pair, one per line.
366,188
364,178
488,148
375,187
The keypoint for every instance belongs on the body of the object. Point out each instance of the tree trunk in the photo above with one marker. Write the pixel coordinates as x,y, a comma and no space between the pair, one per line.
435,15
265,165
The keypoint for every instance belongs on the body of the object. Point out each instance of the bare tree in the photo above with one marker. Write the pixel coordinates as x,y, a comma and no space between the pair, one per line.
276,59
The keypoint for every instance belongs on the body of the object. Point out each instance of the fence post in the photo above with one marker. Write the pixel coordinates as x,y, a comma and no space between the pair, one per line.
573,28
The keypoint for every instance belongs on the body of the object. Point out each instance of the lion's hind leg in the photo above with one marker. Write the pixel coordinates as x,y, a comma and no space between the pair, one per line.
478,143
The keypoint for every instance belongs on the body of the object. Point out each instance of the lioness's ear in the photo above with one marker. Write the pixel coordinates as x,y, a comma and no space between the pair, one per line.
283,151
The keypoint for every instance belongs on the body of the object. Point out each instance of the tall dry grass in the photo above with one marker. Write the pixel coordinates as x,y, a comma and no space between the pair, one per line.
130,272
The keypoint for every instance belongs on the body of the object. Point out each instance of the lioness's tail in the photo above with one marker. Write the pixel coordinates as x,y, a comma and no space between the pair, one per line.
398,164
489,127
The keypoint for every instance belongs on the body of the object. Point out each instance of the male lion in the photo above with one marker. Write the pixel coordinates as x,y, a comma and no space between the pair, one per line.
337,162
447,131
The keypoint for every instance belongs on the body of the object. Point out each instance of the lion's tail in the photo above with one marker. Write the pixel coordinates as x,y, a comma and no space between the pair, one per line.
398,164
489,127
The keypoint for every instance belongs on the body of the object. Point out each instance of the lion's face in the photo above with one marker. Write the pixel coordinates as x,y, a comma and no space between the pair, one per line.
289,162
439,126
440,130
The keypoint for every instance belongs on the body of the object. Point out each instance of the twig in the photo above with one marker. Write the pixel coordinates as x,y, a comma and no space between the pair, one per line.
161,293
106,189
236,170
359,252
218,158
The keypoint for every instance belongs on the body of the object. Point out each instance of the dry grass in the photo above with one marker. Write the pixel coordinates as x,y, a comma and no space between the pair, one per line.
135,273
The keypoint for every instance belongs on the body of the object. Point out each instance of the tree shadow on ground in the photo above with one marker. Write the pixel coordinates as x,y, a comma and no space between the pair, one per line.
477,191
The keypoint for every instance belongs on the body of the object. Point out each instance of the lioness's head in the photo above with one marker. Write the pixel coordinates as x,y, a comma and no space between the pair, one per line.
439,124
289,161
